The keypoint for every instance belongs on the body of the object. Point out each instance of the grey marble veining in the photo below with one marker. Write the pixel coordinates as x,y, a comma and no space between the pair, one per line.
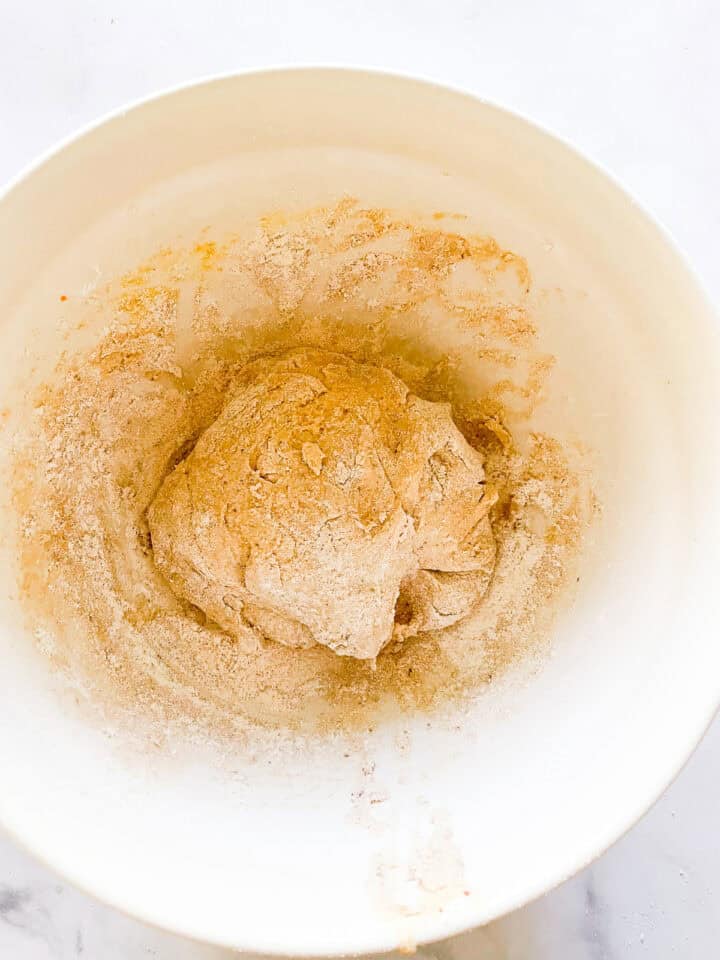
634,86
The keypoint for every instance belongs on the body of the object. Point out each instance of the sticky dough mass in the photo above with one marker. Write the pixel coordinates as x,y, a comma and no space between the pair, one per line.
327,504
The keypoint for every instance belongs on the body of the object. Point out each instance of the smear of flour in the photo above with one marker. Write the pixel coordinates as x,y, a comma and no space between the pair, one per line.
445,313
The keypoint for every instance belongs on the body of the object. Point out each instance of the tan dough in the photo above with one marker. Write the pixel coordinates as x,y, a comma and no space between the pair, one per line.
327,504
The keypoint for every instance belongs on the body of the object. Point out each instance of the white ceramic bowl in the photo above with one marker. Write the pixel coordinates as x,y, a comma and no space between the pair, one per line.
479,818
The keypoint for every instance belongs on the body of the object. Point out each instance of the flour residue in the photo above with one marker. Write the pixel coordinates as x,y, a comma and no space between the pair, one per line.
444,312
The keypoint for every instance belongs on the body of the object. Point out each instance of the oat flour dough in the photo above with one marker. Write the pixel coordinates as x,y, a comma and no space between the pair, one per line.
327,505
247,464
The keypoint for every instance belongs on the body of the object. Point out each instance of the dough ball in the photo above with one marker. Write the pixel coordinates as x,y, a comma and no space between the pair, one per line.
326,504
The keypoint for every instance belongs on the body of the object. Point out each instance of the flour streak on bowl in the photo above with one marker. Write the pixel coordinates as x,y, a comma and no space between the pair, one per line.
420,828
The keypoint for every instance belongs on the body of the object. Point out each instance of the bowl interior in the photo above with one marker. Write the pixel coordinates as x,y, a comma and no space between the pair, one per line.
425,828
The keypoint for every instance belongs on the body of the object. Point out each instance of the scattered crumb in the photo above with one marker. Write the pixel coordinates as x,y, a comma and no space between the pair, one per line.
445,312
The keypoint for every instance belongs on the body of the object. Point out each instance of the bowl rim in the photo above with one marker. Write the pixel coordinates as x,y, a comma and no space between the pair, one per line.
436,926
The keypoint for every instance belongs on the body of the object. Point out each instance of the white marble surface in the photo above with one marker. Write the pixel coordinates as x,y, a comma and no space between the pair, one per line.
635,86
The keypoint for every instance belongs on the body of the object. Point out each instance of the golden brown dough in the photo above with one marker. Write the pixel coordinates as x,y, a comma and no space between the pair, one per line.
327,504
